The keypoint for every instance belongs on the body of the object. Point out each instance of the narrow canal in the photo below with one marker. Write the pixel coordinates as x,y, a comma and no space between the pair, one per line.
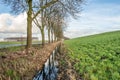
49,70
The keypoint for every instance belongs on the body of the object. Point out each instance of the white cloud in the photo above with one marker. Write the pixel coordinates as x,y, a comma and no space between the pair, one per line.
15,26
95,18
10,23
18,23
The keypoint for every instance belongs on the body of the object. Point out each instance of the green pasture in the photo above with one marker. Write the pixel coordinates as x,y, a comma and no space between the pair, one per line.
96,57
16,42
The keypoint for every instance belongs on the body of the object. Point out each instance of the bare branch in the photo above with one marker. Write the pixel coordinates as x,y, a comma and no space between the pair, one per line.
45,6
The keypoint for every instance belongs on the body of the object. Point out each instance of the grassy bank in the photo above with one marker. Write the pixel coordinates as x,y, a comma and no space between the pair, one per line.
96,57
6,51
16,64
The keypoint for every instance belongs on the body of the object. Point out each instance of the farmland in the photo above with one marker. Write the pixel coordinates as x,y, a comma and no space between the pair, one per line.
96,57
15,43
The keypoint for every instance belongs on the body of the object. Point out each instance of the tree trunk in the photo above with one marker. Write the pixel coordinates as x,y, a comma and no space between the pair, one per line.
29,26
43,37
48,35
51,36
55,34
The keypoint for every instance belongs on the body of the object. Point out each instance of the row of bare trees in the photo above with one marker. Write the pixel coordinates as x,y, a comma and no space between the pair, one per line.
49,14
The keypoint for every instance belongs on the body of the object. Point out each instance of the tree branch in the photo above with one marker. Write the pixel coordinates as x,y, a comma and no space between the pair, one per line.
45,6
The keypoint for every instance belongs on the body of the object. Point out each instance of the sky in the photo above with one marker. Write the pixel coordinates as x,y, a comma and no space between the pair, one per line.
97,16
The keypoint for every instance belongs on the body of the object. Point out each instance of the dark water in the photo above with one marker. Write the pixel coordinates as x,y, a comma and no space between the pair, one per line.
42,75
49,71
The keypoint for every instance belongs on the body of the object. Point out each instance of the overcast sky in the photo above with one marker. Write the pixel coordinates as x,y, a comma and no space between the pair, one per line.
97,16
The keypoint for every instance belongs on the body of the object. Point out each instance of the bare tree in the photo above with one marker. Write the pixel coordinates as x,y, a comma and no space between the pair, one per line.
62,9
30,6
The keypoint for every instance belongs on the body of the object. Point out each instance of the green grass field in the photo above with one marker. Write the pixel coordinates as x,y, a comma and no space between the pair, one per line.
17,42
96,57
12,46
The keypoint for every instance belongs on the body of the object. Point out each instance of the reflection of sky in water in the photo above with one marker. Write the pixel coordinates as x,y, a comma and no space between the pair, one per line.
49,71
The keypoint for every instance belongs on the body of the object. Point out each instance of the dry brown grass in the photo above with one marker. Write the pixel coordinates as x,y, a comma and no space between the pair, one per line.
21,66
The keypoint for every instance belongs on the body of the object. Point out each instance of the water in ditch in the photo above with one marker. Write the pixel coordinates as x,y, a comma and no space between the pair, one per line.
49,71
